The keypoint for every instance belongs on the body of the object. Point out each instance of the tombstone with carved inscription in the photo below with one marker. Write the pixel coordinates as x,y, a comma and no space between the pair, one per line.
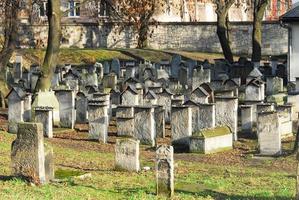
165,170
127,154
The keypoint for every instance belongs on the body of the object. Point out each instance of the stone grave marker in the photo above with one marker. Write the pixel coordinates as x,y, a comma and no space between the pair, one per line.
44,115
127,154
28,154
165,171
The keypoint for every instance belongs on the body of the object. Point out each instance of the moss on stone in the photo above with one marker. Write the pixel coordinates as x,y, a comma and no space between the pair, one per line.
214,132
65,173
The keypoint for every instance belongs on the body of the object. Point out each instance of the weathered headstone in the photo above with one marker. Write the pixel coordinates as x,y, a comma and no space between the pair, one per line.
268,131
160,121
115,66
81,108
144,125
98,121
127,154
44,115
227,113
175,64
67,112
165,171
247,118
28,155
125,120
181,126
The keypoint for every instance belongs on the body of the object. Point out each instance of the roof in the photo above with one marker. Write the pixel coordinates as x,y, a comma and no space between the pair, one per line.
201,90
131,88
255,73
20,92
150,95
291,16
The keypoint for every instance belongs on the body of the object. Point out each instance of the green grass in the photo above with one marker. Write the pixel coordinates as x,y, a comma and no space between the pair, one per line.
149,54
193,179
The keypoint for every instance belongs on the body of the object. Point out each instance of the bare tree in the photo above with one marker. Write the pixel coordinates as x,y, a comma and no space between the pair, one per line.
138,14
54,38
10,23
258,15
223,32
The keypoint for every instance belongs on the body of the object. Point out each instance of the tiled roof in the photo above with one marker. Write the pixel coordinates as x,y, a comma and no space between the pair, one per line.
291,16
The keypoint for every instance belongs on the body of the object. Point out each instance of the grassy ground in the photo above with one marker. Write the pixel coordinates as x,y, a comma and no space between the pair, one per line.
235,174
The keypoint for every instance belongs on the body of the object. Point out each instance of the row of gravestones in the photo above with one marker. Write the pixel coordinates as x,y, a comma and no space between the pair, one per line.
33,160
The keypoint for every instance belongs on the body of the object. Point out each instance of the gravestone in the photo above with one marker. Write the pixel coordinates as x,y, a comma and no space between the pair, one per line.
207,116
81,108
160,121
106,66
268,131
247,118
44,115
27,108
144,125
165,171
33,80
98,121
164,99
67,112
227,113
18,68
285,120
125,120
175,65
181,126
110,81
115,66
274,85
27,153
15,108
130,97
127,154
200,76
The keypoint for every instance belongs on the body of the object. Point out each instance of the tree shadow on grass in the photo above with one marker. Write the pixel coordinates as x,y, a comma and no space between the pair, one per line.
221,196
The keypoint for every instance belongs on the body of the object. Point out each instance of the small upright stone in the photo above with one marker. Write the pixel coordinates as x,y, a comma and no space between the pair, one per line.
27,155
44,115
127,154
165,170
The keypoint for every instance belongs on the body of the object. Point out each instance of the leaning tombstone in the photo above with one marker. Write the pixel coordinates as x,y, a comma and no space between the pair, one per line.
164,171
127,154
27,155
44,115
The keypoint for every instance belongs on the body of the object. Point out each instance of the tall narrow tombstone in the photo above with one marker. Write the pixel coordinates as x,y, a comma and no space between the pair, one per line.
181,126
227,113
247,118
27,154
268,131
106,67
18,68
160,121
175,63
165,171
67,112
115,66
207,116
125,121
144,125
44,115
15,108
27,108
127,154
98,121
81,108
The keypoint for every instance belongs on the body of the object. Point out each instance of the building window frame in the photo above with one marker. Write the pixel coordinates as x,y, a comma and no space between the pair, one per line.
43,9
74,9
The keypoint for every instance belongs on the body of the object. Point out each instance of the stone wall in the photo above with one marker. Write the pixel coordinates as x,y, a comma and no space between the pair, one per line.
192,36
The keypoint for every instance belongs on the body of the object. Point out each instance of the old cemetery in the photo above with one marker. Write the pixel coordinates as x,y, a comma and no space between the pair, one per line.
178,128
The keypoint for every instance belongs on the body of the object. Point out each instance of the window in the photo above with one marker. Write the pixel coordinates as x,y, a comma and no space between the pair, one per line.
74,8
43,9
103,8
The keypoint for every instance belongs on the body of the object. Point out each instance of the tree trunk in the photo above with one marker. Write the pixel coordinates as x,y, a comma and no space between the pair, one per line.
258,15
223,35
54,37
297,177
11,23
142,34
